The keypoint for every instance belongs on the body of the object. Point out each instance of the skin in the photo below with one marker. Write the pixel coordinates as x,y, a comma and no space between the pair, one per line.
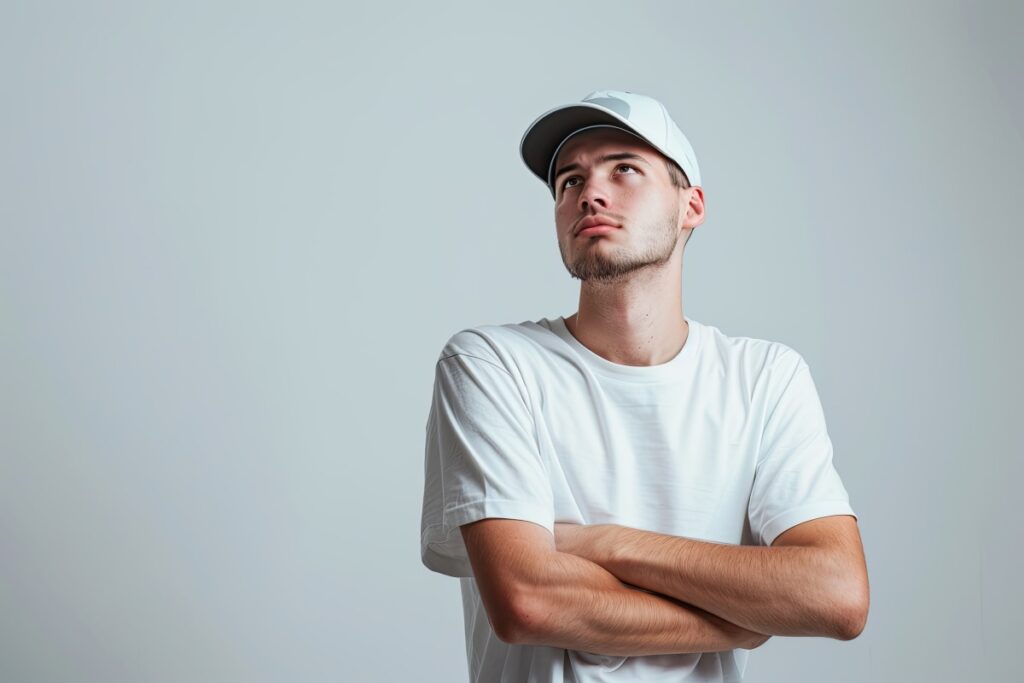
535,594
812,581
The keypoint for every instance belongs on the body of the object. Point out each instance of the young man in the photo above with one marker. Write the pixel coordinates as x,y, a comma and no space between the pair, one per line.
628,494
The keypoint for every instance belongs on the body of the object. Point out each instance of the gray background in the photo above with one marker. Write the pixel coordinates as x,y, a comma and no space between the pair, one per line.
236,236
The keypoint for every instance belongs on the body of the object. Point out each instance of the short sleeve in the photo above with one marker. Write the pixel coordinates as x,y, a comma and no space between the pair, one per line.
795,479
481,458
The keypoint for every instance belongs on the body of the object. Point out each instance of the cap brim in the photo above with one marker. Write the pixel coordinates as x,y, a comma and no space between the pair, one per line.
543,136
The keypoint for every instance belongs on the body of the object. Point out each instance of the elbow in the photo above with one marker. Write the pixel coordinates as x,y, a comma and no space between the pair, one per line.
523,621
849,626
852,617
852,625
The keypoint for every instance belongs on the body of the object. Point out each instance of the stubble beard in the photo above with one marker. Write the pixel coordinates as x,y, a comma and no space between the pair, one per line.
595,264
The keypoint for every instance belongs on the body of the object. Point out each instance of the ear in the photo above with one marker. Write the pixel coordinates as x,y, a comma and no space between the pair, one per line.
691,206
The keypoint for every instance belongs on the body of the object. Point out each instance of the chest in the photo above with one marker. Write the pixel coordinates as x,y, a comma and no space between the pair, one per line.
669,458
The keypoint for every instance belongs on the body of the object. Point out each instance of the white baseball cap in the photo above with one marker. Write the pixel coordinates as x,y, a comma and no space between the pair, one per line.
640,115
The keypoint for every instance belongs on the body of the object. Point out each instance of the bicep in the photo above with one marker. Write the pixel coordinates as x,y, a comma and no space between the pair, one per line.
508,558
795,479
482,459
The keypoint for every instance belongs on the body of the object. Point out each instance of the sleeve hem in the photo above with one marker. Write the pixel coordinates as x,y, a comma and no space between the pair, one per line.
441,547
803,513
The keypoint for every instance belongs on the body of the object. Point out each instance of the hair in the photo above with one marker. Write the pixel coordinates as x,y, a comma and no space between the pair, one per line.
676,174
679,180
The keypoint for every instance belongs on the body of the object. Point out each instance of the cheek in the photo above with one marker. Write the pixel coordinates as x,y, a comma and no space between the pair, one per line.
563,218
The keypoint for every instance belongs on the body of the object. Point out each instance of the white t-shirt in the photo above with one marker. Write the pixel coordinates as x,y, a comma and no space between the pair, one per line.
726,442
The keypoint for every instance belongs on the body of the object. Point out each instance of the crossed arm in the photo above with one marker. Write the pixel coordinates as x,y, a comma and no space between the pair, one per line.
536,595
812,581
574,591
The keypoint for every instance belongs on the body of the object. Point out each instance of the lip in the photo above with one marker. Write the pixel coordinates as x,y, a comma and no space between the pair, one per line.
592,225
596,230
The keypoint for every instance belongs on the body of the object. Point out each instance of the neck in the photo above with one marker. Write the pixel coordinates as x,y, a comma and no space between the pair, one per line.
636,322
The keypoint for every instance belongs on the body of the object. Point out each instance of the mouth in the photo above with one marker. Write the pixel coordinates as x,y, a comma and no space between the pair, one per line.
593,225
598,229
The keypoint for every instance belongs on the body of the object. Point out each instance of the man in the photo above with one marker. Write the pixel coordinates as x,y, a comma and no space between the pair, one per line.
628,494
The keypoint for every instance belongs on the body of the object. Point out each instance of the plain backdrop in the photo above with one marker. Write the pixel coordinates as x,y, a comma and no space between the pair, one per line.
235,237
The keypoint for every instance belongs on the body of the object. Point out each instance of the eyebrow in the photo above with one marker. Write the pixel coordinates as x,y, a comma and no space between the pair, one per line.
607,157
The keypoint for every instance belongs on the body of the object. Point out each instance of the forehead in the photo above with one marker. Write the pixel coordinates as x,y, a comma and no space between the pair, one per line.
599,140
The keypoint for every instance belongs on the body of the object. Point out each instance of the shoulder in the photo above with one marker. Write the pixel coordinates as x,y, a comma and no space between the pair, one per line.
751,357
504,345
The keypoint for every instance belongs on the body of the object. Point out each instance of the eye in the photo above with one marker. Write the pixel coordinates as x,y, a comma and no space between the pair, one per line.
565,182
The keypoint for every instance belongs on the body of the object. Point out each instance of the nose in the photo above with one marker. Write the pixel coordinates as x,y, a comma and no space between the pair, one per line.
592,197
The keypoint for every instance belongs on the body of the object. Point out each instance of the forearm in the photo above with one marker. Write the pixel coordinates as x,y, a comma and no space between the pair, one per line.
788,591
584,607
